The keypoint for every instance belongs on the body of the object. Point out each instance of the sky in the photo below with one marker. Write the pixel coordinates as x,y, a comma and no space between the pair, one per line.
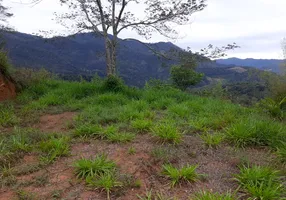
257,26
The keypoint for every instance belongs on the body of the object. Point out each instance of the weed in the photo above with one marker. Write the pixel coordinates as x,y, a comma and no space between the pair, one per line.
142,125
23,195
7,115
157,196
186,173
206,195
164,155
88,168
212,140
167,132
105,181
180,110
7,177
131,151
260,182
281,153
54,148
256,132
41,180
87,130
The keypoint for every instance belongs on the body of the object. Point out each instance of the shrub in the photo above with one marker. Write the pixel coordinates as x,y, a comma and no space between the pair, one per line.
183,77
260,182
113,84
89,168
5,66
186,173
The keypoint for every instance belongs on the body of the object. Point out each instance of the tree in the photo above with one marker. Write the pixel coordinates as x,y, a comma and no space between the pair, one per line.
183,77
113,16
4,14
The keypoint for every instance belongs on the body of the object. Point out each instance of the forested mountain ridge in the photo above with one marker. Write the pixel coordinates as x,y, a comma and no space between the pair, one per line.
82,54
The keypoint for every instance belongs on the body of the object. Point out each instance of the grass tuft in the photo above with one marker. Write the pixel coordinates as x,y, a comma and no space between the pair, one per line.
186,173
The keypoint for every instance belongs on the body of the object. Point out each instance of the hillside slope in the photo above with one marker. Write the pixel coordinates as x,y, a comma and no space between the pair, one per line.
83,55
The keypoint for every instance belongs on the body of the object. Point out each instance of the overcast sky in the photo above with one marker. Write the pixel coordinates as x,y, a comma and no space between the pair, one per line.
256,25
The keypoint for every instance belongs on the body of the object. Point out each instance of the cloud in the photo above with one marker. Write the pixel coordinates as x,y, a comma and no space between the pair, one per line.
256,25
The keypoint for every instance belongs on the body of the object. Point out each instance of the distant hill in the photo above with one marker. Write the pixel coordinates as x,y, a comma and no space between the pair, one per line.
83,55
263,64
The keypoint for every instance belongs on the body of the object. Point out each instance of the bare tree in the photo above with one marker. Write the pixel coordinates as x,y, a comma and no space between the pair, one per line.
4,14
113,16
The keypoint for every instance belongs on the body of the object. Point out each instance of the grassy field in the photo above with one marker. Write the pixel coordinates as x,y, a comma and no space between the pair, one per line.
95,140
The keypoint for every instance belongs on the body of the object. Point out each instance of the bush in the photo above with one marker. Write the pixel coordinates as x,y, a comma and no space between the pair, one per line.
113,84
183,77
5,66
26,77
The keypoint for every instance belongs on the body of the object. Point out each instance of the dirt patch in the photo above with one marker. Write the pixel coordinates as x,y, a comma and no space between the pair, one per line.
7,89
55,123
7,194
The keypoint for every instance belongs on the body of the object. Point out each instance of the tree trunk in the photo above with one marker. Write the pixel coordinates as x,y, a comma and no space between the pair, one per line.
108,55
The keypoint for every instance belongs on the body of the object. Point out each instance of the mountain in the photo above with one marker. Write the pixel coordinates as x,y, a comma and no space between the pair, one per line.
83,55
263,64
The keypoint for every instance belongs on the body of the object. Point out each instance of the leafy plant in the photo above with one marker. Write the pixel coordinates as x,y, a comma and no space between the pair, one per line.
167,132
142,125
207,195
54,148
212,140
88,168
260,182
183,77
186,173
87,130
105,181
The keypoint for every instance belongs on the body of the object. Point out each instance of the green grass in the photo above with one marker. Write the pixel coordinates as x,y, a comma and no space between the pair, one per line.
260,182
186,173
212,140
104,181
259,132
142,125
206,195
7,115
54,148
88,130
167,132
155,196
88,168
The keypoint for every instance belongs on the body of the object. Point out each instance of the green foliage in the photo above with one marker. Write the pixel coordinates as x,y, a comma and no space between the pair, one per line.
180,110
7,115
54,148
186,173
104,181
281,153
250,131
113,84
89,168
88,130
5,66
206,195
142,125
157,196
167,132
23,195
276,109
183,77
27,77
260,182
212,140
